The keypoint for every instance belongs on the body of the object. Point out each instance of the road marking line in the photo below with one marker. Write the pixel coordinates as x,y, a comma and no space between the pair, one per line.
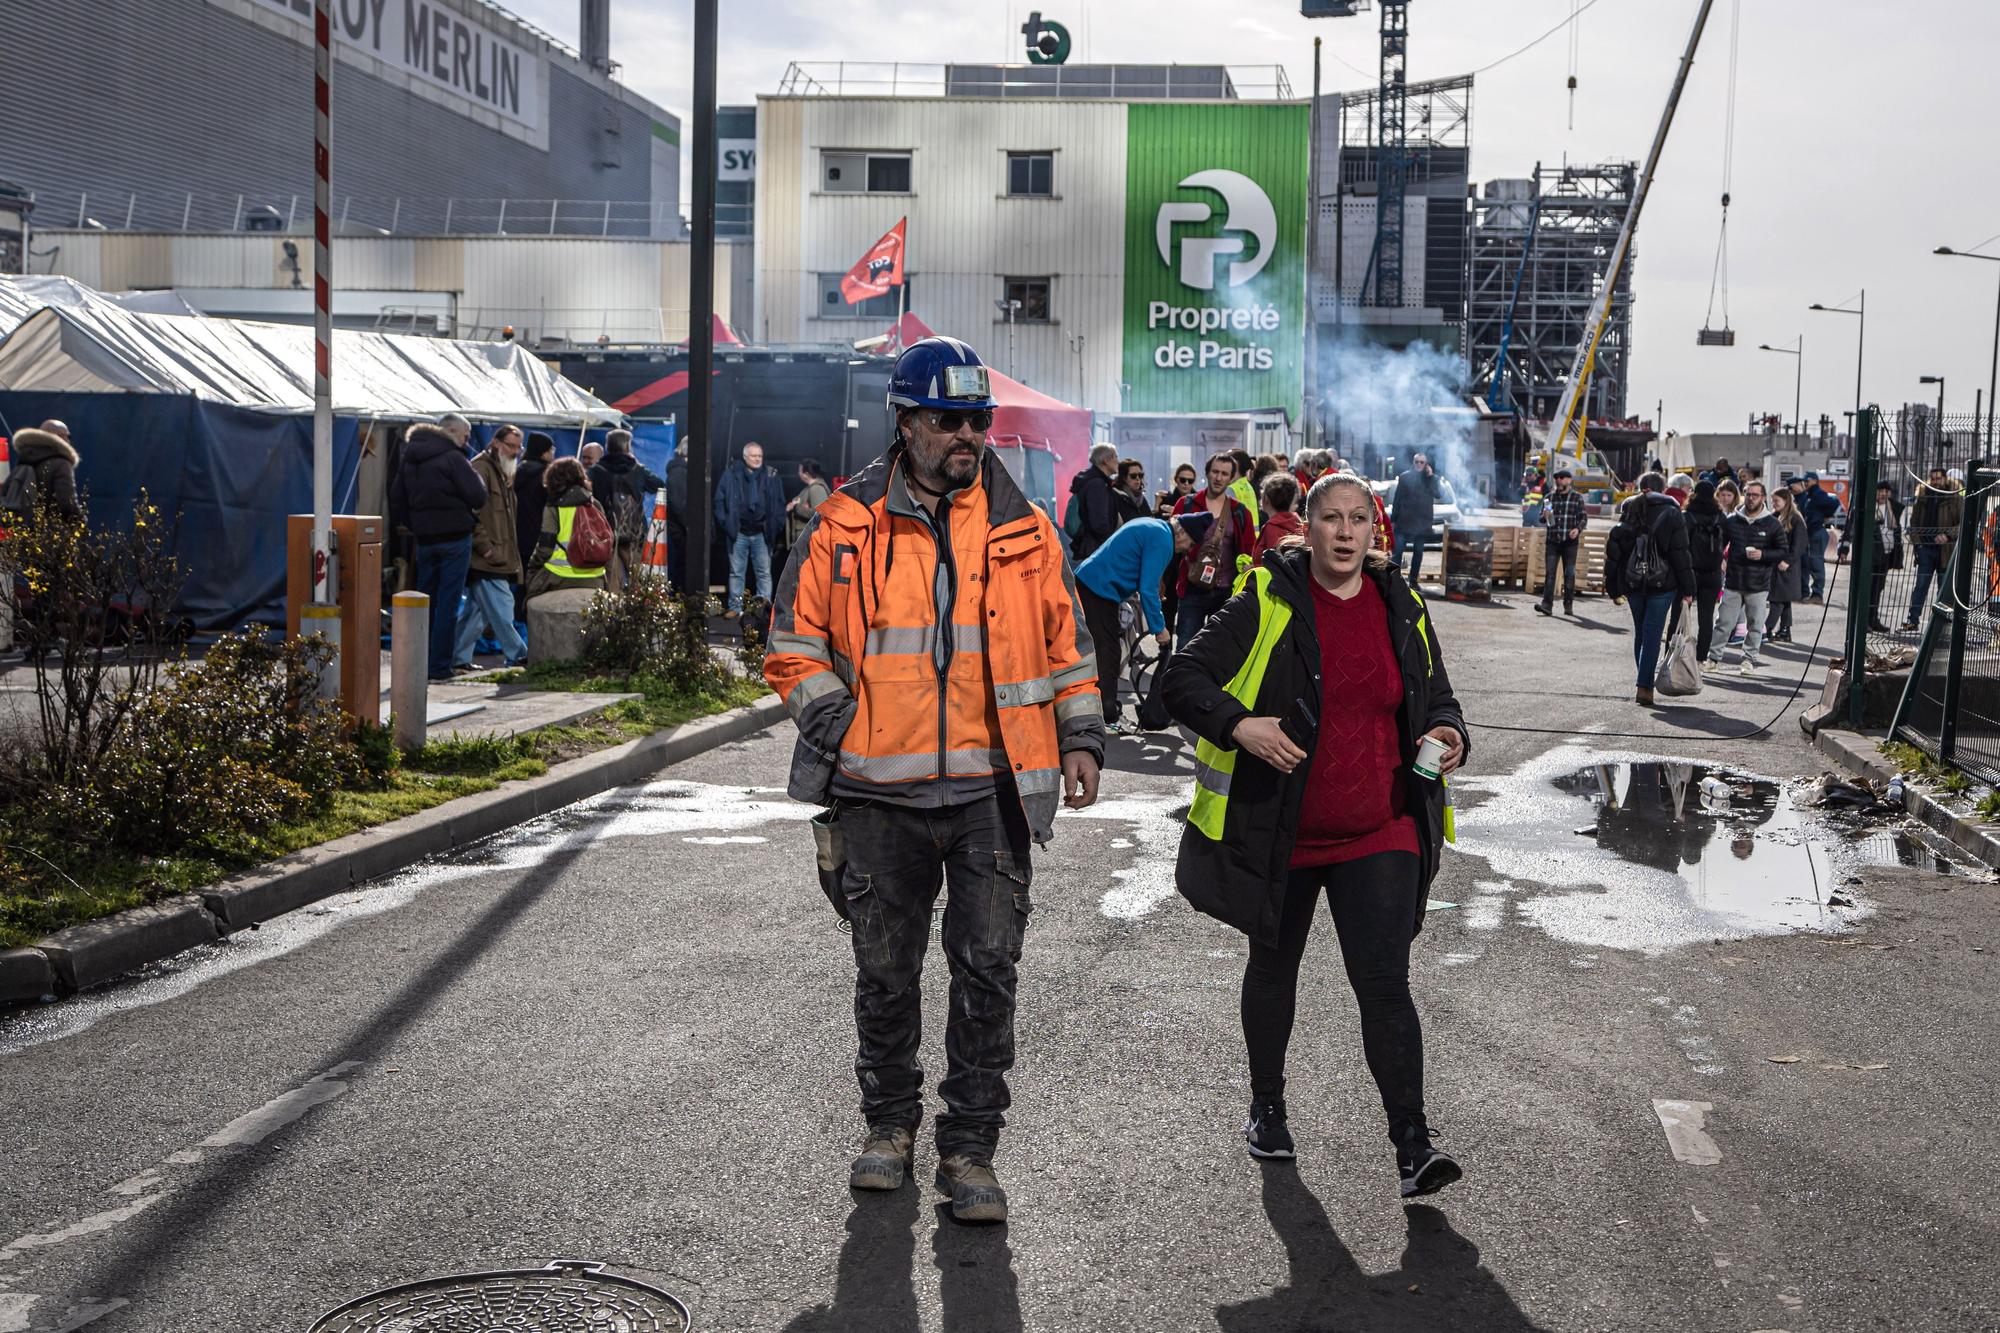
1684,1123
88,1226
275,1114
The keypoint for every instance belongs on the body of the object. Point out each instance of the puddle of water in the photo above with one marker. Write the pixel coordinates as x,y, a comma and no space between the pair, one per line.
1639,852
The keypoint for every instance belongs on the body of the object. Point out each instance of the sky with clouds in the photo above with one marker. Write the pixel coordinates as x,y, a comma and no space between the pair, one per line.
1865,138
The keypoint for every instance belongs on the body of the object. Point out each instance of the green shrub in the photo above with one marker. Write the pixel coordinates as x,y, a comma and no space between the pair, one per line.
649,630
376,746
472,756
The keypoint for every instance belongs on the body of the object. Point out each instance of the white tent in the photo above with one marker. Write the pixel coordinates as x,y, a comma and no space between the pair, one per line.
71,339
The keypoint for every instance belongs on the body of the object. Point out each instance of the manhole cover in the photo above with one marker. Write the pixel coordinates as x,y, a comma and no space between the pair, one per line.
562,1298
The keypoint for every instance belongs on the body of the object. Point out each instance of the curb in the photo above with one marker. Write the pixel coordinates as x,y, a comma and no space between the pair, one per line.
1856,753
97,951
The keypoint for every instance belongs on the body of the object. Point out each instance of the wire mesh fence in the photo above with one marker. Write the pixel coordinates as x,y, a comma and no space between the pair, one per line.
1916,530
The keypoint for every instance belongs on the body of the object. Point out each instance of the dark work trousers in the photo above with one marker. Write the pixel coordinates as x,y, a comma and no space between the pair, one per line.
1704,624
1196,606
897,856
1878,579
1412,542
1374,902
440,575
1553,551
1109,640
1649,622
1778,620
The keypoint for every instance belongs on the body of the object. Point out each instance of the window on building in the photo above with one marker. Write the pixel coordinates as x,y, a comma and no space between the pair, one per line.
1032,293
1031,175
833,303
851,172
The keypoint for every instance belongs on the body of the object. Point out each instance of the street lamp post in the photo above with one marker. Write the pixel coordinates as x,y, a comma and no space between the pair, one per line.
1993,376
1860,311
1937,426
1798,377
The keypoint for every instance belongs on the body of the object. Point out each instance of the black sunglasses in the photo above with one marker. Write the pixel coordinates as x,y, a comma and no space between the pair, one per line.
950,422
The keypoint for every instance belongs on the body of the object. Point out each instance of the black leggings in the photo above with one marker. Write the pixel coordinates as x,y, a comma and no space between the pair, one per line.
1374,904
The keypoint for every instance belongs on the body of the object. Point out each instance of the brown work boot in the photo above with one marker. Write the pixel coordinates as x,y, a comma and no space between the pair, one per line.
884,1160
1644,697
975,1191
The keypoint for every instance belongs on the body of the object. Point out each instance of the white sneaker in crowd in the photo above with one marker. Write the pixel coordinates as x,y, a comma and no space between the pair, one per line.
1749,667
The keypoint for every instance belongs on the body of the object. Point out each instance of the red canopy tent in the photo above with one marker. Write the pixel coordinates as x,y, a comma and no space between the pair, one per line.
1025,418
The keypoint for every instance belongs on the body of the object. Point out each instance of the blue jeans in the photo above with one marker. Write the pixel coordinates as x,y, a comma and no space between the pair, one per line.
492,610
1413,542
440,576
1649,622
1815,570
748,548
1930,560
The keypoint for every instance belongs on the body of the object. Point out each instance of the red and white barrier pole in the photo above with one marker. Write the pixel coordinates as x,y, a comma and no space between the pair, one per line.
325,587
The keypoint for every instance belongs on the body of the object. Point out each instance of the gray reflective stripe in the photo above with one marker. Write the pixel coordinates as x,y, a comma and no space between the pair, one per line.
816,686
1085,669
805,645
1213,779
1079,705
968,638
843,668
912,639
917,767
1022,693
1038,780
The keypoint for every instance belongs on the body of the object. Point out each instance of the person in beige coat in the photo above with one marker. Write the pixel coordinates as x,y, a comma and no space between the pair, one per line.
496,557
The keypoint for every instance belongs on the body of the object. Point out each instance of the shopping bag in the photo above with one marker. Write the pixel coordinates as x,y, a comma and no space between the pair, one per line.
1680,668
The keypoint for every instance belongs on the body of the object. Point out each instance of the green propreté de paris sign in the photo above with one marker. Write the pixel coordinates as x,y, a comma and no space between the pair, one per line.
1215,250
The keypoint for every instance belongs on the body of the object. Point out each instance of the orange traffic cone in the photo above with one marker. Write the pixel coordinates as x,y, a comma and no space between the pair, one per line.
653,555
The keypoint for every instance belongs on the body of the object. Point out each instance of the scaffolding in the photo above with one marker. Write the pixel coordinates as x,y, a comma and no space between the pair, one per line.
1568,220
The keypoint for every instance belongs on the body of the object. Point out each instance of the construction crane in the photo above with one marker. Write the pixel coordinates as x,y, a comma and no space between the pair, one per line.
1570,411
1392,144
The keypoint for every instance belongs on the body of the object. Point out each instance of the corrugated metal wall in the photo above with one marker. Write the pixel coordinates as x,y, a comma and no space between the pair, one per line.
965,234
163,98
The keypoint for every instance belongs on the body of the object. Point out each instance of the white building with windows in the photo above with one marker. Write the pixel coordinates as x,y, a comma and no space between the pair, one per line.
1045,211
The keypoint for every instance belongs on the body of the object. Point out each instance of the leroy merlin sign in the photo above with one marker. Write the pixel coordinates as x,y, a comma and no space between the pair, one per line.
1215,247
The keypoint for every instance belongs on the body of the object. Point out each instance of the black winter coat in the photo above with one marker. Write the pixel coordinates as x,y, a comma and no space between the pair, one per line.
1708,543
1656,513
1765,534
435,491
1789,585
1094,491
1241,879
529,497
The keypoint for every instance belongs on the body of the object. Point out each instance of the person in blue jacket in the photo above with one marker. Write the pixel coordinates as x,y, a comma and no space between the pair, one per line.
750,513
1134,558
1821,510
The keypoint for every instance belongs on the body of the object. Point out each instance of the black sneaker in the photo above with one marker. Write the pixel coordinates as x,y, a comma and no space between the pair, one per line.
1266,1132
1544,609
1424,1169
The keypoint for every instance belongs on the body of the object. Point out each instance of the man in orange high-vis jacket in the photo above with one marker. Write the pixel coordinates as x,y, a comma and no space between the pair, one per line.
928,642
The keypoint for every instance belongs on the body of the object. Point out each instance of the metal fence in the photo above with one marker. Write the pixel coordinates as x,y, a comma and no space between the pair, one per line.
1912,553
367,215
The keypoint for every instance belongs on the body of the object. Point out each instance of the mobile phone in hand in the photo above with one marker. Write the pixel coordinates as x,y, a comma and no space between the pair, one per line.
1300,724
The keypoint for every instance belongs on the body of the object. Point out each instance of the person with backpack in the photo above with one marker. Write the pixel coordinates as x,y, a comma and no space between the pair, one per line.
1646,563
1092,513
44,474
496,556
1707,543
625,488
750,515
439,497
1755,543
577,542
529,497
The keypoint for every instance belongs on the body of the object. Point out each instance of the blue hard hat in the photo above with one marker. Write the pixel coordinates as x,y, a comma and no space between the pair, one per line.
940,372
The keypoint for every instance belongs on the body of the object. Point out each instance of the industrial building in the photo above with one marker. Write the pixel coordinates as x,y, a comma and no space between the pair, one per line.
1121,237
450,117
1525,317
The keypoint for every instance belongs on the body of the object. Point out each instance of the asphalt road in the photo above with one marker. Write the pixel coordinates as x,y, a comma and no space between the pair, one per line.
623,1035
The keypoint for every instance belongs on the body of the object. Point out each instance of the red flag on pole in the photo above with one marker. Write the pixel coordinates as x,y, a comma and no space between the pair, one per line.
879,270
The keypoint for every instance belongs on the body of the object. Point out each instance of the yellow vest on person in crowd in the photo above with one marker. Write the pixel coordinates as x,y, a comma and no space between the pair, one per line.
558,563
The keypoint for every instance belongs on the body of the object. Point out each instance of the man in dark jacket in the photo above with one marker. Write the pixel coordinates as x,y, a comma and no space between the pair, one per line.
1934,518
750,515
1821,509
1755,539
439,497
1565,518
1646,562
1092,492
625,487
48,453
1413,513
529,497
677,512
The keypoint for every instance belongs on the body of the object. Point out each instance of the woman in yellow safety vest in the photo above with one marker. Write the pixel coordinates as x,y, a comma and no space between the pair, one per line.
1312,691
550,568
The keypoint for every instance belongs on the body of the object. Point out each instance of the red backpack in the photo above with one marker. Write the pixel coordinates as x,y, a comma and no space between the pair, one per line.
590,538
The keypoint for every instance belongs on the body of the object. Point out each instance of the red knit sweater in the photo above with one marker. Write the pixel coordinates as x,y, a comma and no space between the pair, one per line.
1355,799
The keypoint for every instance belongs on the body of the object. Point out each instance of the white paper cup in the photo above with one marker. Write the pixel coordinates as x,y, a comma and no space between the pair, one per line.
1430,753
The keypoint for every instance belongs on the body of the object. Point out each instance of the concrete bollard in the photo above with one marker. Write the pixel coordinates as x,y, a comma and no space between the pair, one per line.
409,667
323,619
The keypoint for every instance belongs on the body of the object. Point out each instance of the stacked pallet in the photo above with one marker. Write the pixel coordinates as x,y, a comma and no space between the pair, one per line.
1589,560
1510,557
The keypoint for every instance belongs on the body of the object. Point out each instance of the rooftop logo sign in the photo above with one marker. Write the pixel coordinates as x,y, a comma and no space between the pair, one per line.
1048,42
1249,211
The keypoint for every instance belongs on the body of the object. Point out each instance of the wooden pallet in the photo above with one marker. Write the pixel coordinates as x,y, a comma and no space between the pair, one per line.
1510,557
1589,560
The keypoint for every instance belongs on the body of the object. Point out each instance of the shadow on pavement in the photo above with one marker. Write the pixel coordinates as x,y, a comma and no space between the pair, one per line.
976,1282
1159,752
1328,1290
872,1288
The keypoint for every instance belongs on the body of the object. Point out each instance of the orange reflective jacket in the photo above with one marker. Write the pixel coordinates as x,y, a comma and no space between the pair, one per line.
920,670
